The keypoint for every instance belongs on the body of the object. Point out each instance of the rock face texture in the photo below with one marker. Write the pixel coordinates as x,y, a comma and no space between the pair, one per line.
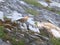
3,43
13,10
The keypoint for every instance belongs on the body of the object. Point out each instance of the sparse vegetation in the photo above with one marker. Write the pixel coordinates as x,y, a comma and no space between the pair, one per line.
50,9
31,11
58,12
53,10
33,2
1,31
55,41
36,23
14,42
4,36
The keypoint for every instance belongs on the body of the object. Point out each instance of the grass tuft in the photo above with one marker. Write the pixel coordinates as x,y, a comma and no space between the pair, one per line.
33,2
4,36
31,11
55,41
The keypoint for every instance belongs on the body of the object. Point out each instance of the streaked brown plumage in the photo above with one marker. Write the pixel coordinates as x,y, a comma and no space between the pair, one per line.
8,26
23,20
7,21
14,24
1,22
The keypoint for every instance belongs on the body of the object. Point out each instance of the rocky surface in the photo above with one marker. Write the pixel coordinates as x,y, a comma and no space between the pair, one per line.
4,43
29,32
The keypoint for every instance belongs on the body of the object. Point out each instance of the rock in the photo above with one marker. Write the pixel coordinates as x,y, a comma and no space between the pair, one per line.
43,3
1,13
52,29
15,9
4,43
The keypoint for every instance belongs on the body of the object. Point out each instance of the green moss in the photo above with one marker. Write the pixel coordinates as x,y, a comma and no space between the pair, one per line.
31,11
36,23
55,41
14,42
53,10
1,31
33,2
5,36
44,33
58,12
50,9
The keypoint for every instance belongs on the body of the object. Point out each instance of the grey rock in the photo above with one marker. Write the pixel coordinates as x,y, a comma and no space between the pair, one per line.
4,43
9,6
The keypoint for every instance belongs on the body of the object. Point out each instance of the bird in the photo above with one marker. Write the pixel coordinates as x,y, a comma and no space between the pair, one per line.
14,24
10,27
23,20
1,22
7,21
